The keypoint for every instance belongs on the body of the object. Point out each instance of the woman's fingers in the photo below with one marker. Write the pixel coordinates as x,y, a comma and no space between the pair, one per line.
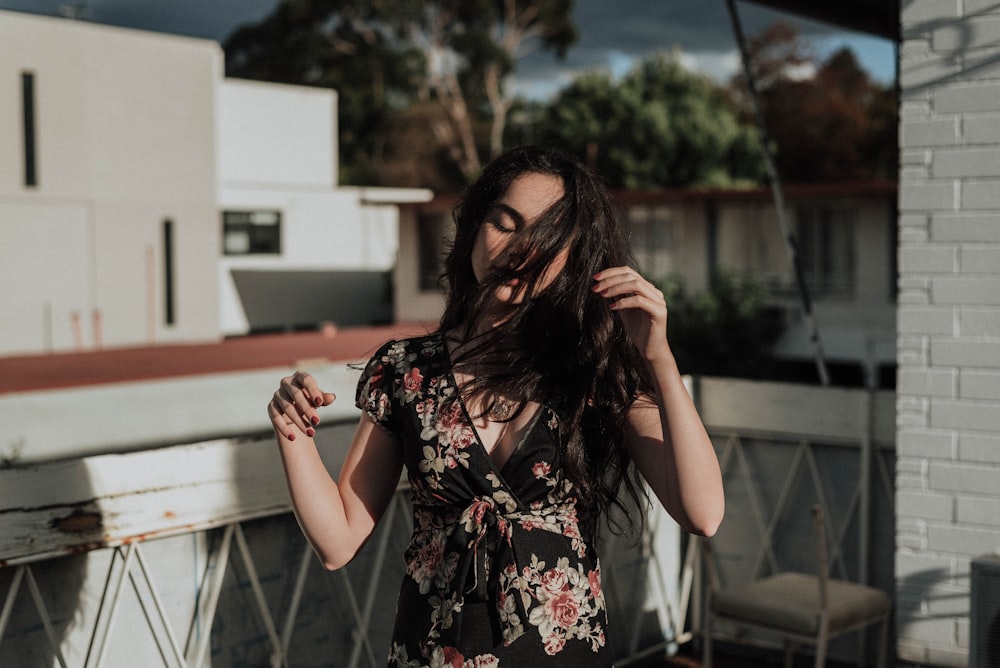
294,405
642,307
280,421
628,289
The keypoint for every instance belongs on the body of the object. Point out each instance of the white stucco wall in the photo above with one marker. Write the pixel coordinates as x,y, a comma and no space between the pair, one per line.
275,135
135,129
125,140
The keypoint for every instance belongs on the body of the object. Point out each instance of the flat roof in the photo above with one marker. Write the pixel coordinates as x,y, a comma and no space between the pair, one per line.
74,369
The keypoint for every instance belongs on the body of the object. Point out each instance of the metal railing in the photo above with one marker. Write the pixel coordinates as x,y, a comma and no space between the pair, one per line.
188,556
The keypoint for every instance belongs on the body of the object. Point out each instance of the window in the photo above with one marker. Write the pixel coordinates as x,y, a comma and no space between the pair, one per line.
169,307
651,235
431,245
826,250
28,110
251,232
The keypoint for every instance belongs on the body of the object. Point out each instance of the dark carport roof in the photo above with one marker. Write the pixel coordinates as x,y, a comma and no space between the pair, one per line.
877,17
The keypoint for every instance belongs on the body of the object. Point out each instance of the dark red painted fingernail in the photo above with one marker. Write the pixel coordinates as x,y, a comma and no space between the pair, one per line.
318,401
314,419
291,436
310,432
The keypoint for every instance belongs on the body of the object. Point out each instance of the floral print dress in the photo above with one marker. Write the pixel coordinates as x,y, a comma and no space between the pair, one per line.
500,570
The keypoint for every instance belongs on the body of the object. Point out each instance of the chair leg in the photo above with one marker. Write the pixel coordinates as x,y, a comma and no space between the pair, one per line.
706,642
821,643
883,641
789,653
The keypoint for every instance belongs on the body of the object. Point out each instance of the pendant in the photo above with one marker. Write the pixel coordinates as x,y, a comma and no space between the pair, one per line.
501,410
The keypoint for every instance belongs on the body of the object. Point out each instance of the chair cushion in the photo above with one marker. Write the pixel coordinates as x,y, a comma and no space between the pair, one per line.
790,602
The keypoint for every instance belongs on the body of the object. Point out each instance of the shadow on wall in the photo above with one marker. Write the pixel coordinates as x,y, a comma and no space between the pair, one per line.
960,54
933,594
47,622
344,617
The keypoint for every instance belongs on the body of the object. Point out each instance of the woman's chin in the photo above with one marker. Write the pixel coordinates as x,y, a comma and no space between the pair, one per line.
510,293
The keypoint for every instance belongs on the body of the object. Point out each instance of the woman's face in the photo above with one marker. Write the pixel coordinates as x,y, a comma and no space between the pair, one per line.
505,229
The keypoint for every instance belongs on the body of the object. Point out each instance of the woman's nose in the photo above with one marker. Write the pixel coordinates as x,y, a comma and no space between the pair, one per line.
514,252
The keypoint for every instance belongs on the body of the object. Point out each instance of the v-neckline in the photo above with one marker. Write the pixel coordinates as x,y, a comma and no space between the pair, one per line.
498,468
528,429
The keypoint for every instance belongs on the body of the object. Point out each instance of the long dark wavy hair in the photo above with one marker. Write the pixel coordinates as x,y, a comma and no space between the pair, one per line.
562,346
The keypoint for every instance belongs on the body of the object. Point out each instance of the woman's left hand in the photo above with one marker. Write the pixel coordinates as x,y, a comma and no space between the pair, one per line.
642,308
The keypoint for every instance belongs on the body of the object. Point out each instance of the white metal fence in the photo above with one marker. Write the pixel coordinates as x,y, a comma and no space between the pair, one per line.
188,556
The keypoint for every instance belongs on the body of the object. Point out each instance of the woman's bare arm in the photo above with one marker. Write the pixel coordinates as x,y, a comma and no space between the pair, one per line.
665,437
336,517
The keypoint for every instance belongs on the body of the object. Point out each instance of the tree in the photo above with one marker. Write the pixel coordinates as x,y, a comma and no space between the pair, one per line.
452,57
661,125
835,125
727,331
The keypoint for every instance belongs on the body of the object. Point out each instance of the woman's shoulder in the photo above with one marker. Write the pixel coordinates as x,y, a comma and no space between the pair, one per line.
396,351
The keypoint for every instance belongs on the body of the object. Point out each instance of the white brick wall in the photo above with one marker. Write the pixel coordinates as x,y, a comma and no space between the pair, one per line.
948,406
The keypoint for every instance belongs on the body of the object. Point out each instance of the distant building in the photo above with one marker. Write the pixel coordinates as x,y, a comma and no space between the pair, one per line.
144,198
847,246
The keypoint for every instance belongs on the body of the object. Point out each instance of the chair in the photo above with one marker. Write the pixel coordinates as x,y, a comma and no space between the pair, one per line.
800,608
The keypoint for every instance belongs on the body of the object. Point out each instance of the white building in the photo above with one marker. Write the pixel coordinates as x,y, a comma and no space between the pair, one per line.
296,248
146,199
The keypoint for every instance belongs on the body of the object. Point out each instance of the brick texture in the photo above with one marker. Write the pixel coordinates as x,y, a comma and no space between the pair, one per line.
948,348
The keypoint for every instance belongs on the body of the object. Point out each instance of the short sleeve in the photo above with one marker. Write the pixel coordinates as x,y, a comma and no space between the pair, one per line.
375,389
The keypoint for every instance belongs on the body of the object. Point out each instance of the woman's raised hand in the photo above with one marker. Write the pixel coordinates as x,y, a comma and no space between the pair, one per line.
293,407
642,308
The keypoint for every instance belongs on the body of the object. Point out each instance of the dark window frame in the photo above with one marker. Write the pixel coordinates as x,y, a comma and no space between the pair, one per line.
258,229
28,112
169,293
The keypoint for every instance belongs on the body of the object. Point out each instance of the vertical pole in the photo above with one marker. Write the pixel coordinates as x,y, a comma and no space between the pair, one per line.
47,331
74,319
779,198
150,295
865,496
98,328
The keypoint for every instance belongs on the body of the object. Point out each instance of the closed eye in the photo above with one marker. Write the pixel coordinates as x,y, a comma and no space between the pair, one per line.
498,221
500,227
505,219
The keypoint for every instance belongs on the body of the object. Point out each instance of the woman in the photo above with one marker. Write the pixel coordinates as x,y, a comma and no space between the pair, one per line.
517,421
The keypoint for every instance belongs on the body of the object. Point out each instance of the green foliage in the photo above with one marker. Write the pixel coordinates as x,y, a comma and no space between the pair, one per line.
393,60
350,45
660,125
727,331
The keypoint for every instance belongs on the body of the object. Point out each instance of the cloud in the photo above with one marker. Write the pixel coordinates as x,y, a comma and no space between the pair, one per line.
208,19
612,35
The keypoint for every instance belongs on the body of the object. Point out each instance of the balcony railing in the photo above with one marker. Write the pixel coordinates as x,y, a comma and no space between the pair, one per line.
188,555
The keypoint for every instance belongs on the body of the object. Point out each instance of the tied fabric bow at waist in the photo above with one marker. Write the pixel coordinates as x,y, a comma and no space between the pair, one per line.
486,538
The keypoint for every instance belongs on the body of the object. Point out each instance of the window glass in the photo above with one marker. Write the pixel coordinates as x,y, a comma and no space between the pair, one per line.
431,247
826,250
251,232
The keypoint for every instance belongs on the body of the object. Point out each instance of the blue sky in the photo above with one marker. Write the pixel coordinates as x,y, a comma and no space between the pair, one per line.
612,35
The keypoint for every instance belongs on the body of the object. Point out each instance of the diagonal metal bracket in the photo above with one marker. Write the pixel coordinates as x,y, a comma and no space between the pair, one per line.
24,574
